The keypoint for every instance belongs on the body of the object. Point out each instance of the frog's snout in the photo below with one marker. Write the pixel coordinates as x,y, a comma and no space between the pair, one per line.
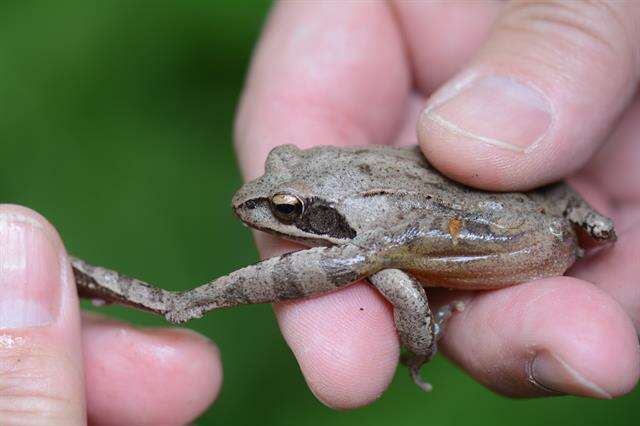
248,211
239,198
254,212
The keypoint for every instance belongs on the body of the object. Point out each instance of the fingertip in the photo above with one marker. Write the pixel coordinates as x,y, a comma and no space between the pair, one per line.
549,337
492,132
14,212
591,350
345,343
534,105
323,75
199,364
148,376
40,320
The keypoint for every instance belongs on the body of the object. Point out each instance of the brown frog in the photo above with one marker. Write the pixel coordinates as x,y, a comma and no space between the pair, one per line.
386,215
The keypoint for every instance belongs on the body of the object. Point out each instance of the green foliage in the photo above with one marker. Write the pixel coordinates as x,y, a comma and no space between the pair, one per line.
117,126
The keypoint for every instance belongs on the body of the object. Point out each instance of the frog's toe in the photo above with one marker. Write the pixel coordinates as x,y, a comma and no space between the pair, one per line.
415,362
444,313
418,380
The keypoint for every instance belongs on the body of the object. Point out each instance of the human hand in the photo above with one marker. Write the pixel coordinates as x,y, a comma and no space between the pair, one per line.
61,367
544,86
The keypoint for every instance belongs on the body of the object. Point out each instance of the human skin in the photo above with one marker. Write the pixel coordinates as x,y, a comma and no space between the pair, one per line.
61,367
359,73
520,94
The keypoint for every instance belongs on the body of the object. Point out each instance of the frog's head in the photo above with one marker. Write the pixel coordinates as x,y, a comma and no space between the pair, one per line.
296,198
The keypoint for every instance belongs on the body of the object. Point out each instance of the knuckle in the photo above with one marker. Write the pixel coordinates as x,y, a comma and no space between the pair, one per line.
33,389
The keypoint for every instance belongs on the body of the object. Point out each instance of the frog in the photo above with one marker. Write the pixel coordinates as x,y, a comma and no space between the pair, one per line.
387,216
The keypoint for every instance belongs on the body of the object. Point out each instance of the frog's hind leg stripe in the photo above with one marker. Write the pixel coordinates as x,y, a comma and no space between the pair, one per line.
290,276
107,286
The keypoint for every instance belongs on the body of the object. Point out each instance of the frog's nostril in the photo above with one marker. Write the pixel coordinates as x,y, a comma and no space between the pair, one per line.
252,211
250,204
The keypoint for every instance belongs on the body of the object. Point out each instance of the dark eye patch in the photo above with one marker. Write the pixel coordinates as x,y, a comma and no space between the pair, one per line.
321,218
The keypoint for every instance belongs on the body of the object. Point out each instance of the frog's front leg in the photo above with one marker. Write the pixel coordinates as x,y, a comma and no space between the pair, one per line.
418,329
563,200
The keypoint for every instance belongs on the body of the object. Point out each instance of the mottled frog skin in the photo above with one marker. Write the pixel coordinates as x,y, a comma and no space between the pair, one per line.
382,214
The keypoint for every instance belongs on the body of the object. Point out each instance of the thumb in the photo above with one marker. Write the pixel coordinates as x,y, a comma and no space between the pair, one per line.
41,379
539,98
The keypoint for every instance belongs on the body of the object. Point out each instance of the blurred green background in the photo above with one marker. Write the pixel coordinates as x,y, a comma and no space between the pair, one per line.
116,124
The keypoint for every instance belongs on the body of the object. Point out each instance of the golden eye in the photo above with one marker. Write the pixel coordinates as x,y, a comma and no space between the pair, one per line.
286,207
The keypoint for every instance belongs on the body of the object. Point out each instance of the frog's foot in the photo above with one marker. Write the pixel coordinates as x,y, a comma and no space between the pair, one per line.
414,362
443,314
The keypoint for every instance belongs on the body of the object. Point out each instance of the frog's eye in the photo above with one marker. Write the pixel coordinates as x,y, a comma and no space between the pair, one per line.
286,207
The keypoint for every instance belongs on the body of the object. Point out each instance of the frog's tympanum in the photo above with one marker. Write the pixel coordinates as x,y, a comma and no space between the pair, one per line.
385,215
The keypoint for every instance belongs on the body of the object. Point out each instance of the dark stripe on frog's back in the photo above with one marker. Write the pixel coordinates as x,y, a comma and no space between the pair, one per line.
441,184
403,172
399,168
414,176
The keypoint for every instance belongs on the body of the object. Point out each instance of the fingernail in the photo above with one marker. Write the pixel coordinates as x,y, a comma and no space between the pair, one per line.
550,373
493,110
30,277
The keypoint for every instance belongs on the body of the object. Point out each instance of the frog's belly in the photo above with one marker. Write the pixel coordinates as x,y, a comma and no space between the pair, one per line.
491,271
526,257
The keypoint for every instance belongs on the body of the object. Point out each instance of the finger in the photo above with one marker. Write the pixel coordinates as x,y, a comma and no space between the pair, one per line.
41,374
328,75
615,270
557,335
442,36
345,342
407,134
323,75
614,170
540,96
610,183
147,376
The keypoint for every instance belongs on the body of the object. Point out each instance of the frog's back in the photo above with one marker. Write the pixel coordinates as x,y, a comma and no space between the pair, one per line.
380,170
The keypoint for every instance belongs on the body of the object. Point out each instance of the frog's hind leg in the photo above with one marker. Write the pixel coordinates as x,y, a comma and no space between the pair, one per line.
417,327
104,286
415,324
